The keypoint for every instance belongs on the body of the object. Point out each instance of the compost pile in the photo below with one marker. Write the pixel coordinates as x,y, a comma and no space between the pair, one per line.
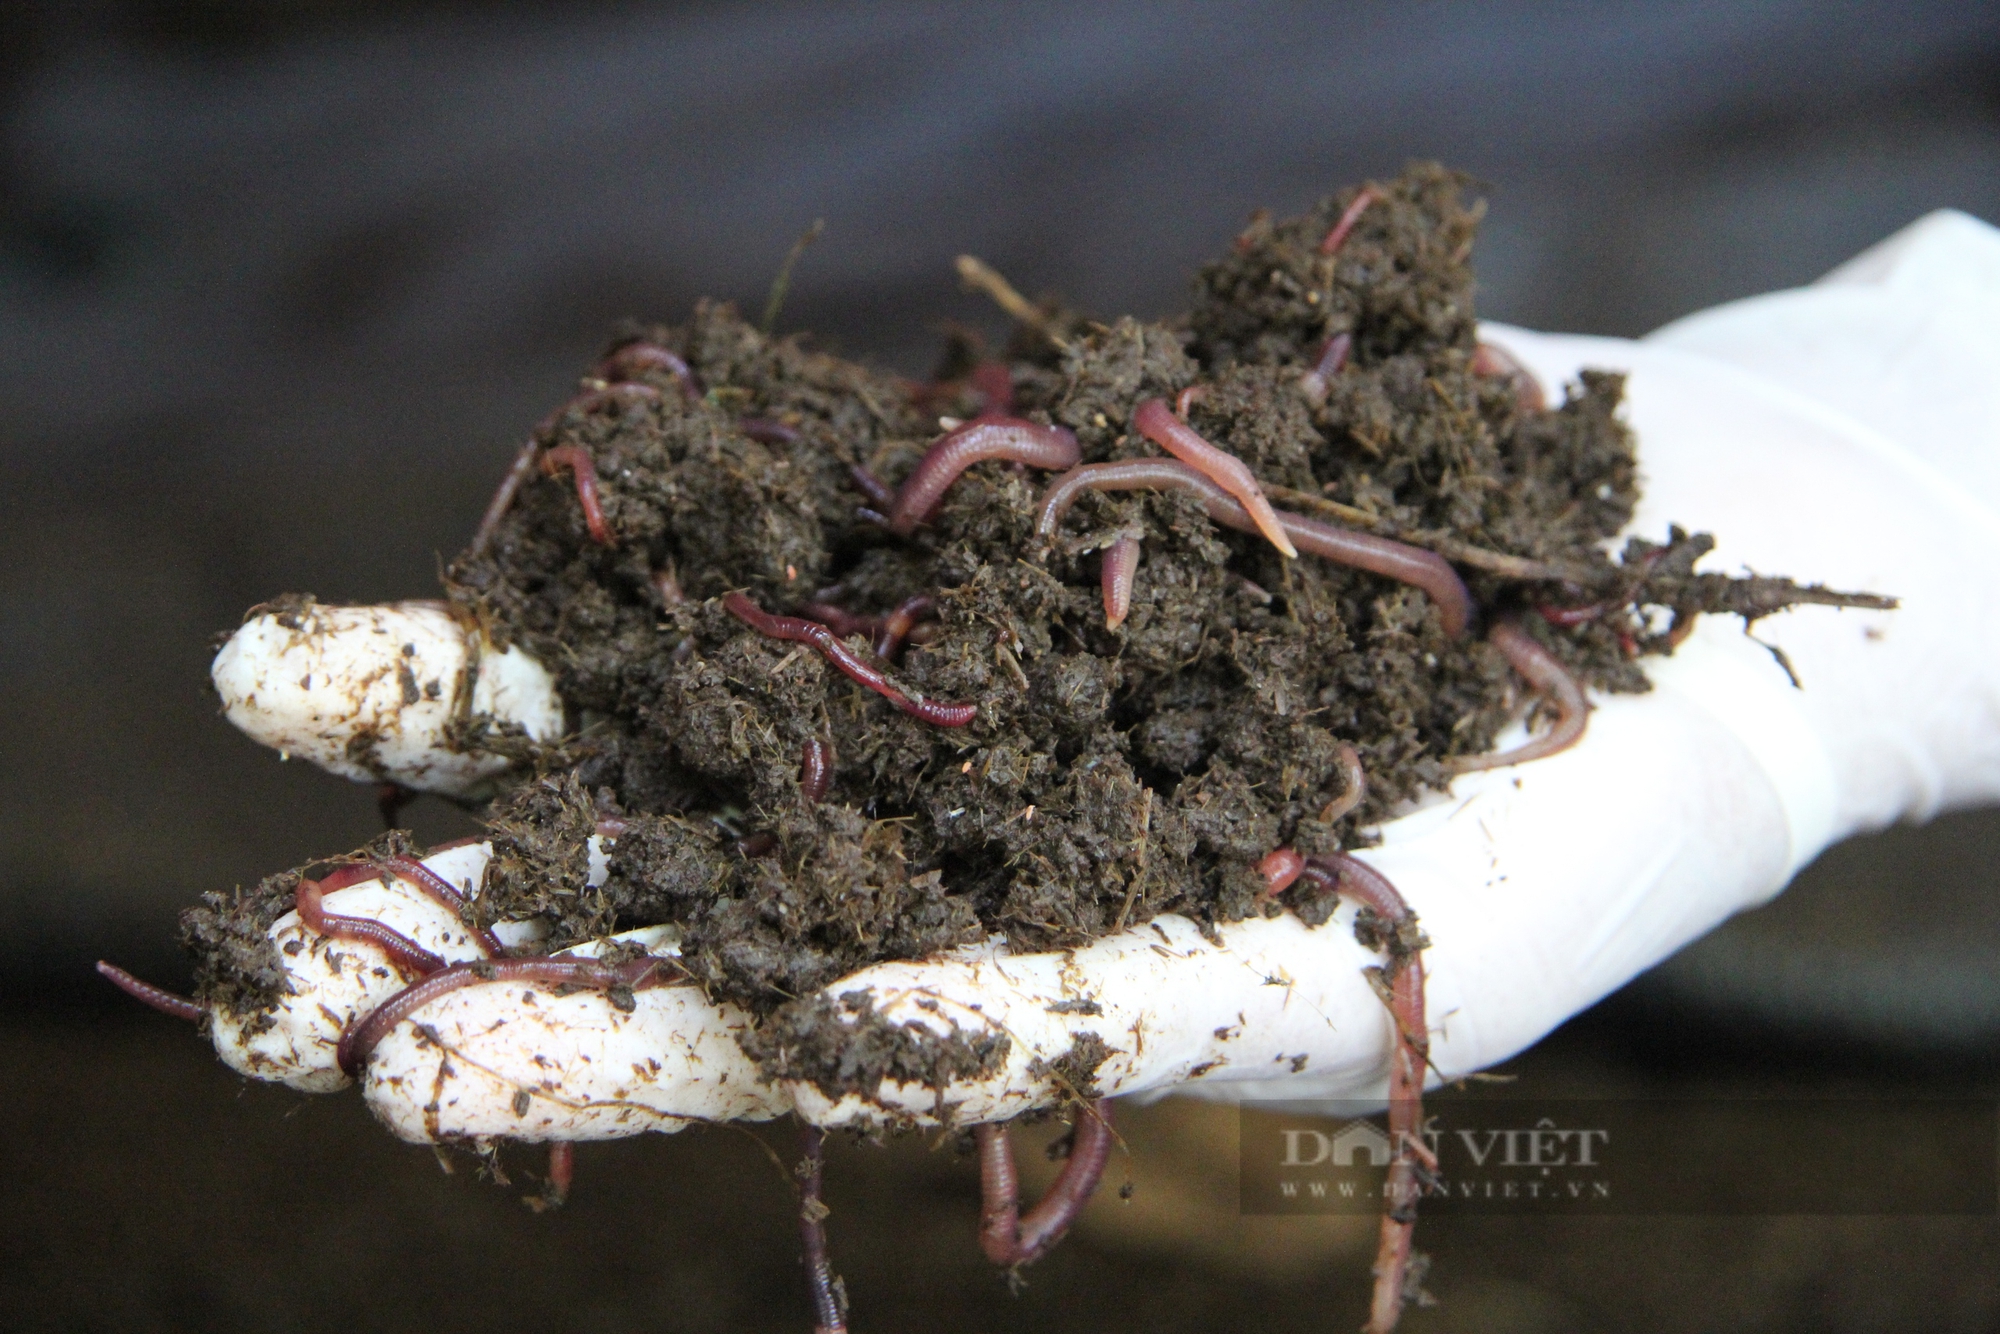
1108,774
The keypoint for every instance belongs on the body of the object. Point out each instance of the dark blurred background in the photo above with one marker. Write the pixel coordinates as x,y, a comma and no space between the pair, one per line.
282,286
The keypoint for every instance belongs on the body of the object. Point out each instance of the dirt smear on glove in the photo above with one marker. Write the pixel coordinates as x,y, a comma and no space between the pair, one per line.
1108,775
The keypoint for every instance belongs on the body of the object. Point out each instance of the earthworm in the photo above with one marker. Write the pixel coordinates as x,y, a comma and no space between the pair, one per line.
562,1169
843,657
1403,982
402,951
359,1042
577,459
629,360
1569,617
622,393
428,882
1363,551
896,626
816,770
1187,398
166,1002
668,585
1048,447
879,493
524,459
1121,566
1489,359
1337,234
760,844
1546,674
1006,1236
994,384
840,620
436,888
1157,423
1280,867
828,1318
1332,356
768,430
1355,789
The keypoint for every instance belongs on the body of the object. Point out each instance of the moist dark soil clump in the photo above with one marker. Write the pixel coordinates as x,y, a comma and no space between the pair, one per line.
1108,775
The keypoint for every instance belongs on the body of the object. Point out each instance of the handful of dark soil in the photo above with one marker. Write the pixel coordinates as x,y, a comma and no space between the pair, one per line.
1107,774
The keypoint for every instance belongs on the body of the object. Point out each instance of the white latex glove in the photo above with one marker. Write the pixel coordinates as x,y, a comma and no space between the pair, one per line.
1847,433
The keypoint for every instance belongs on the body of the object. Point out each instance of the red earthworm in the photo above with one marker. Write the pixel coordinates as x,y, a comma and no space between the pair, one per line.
1489,359
896,626
1337,234
405,953
828,1318
923,632
1154,421
634,357
880,494
1403,983
562,1169
1006,1236
1049,447
610,826
623,394
768,430
1546,674
760,844
347,875
577,459
1332,356
390,798
1280,867
429,883
1121,567
524,459
1356,785
840,620
166,1002
1567,618
440,891
994,384
1363,551
816,770
358,1043
843,657
1187,398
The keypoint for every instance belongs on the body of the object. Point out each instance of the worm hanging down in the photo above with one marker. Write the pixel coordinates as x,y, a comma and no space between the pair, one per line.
1157,422
829,1310
1363,551
1542,671
1011,1238
1388,924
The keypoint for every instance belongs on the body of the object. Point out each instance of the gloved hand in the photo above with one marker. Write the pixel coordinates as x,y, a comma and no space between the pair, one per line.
1845,433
